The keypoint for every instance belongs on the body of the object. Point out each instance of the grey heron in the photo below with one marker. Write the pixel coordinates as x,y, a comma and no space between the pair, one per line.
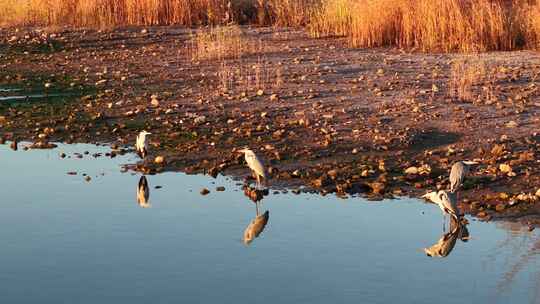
141,145
458,172
254,164
143,193
447,201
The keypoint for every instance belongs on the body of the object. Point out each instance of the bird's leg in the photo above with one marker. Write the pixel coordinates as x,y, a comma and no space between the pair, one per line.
444,224
257,208
258,181
253,174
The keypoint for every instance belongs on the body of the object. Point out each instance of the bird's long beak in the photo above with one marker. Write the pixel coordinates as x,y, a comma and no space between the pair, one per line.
470,162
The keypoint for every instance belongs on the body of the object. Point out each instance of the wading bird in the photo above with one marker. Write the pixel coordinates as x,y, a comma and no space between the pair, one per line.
254,164
447,201
143,193
141,145
458,172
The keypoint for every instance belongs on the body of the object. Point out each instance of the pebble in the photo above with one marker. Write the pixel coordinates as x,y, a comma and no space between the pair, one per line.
204,191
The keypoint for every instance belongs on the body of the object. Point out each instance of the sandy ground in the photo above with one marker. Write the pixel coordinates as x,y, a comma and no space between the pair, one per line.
380,122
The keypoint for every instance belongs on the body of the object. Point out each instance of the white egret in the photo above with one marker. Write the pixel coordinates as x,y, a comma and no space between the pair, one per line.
141,145
254,164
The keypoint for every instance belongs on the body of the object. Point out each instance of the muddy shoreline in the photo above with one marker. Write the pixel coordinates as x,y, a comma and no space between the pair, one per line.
324,117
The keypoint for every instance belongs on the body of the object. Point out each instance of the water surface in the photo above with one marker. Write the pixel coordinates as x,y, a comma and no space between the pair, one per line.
67,240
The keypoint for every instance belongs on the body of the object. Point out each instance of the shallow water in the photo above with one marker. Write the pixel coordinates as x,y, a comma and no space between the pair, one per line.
66,240
32,93
25,97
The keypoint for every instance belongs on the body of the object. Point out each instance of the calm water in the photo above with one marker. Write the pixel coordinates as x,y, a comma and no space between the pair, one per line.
66,240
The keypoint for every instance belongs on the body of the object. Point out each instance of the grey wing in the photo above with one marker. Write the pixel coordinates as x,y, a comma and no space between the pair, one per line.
449,202
456,176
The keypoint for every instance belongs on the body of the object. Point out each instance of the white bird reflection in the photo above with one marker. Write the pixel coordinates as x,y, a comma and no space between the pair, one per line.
143,193
447,242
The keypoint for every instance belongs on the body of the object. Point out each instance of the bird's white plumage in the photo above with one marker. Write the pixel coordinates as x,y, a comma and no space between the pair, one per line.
447,201
254,163
141,145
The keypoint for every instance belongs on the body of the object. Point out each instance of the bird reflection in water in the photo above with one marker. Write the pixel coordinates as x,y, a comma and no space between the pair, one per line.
445,245
143,193
257,225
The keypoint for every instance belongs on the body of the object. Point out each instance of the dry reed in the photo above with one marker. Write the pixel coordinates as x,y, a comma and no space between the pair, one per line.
427,25
154,12
249,76
431,25
466,76
223,42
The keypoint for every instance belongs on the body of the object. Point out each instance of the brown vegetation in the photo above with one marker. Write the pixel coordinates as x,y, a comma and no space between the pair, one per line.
105,13
427,25
222,43
431,25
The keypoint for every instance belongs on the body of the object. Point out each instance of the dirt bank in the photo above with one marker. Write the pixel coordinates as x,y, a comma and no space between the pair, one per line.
381,122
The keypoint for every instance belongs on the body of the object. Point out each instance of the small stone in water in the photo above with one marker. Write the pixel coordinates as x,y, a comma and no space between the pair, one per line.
205,191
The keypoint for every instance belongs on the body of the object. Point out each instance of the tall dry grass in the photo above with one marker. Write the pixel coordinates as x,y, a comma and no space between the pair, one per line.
431,25
155,12
223,42
427,25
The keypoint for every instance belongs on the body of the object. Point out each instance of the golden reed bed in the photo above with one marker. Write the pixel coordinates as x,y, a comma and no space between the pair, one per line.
427,25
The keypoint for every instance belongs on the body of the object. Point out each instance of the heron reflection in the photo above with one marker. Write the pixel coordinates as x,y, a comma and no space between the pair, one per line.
143,193
447,242
257,225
